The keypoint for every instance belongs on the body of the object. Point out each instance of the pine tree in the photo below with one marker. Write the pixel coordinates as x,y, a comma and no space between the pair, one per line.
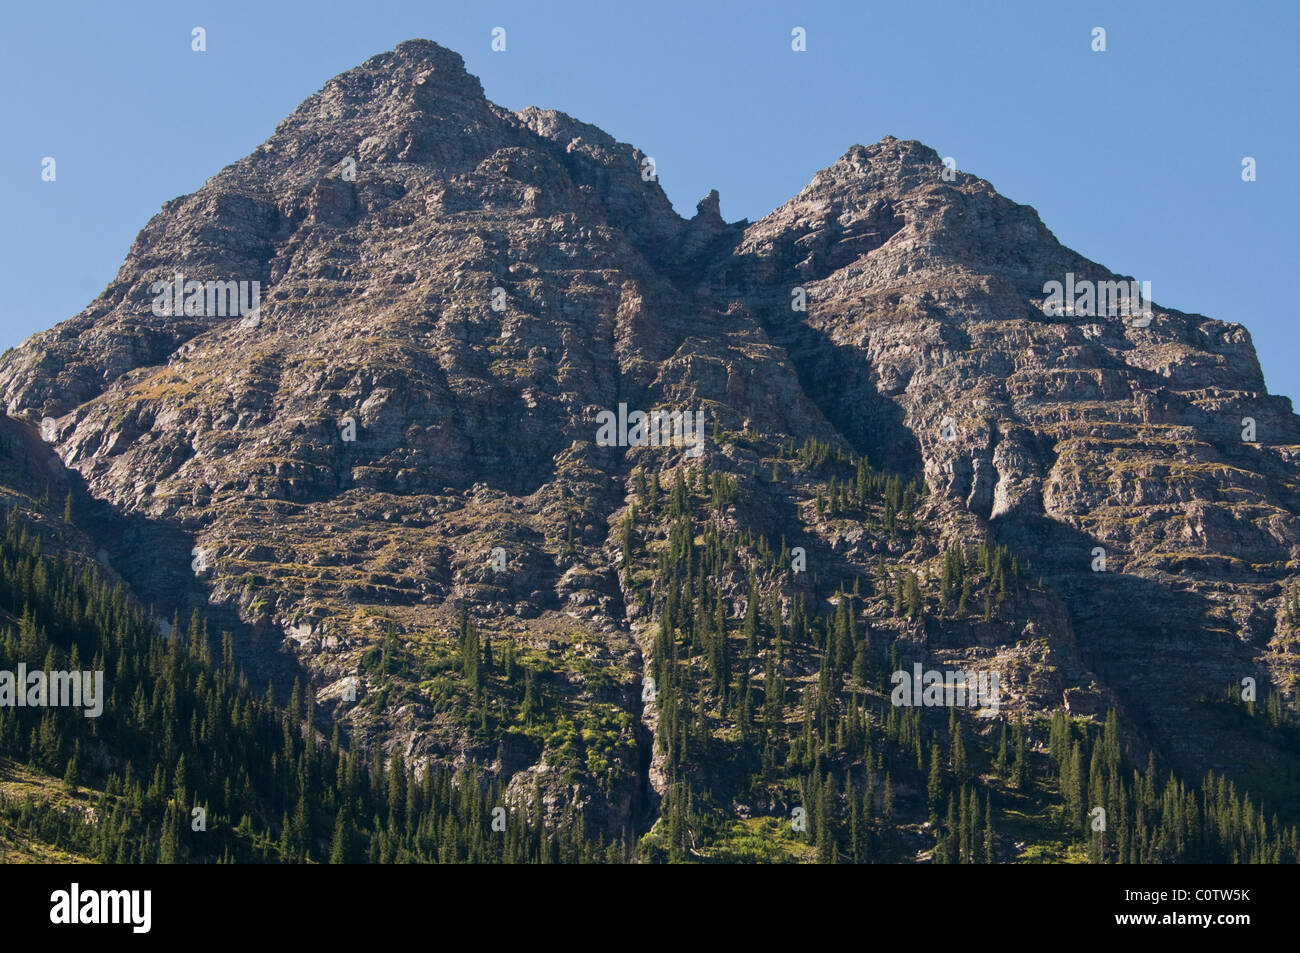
989,855
826,850
958,756
339,846
1018,767
934,789
952,828
913,605
71,774
167,842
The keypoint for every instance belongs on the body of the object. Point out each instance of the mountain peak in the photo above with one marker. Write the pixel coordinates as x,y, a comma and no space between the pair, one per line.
428,61
442,327
419,48
419,75
890,159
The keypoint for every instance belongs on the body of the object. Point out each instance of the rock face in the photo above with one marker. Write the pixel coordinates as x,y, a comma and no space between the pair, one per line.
450,293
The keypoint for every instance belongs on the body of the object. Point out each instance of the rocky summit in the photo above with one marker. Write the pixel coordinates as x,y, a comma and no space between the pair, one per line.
346,400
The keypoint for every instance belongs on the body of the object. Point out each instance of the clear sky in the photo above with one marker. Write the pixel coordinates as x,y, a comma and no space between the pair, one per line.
1132,156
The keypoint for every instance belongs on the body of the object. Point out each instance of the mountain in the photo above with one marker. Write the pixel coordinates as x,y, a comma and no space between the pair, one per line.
390,481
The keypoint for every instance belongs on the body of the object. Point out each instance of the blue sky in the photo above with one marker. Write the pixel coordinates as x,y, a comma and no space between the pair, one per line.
1132,156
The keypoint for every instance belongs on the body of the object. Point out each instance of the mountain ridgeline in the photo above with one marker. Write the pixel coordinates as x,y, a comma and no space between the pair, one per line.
429,490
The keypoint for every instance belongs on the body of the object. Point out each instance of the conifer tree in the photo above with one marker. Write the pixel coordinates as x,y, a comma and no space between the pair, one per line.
934,789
